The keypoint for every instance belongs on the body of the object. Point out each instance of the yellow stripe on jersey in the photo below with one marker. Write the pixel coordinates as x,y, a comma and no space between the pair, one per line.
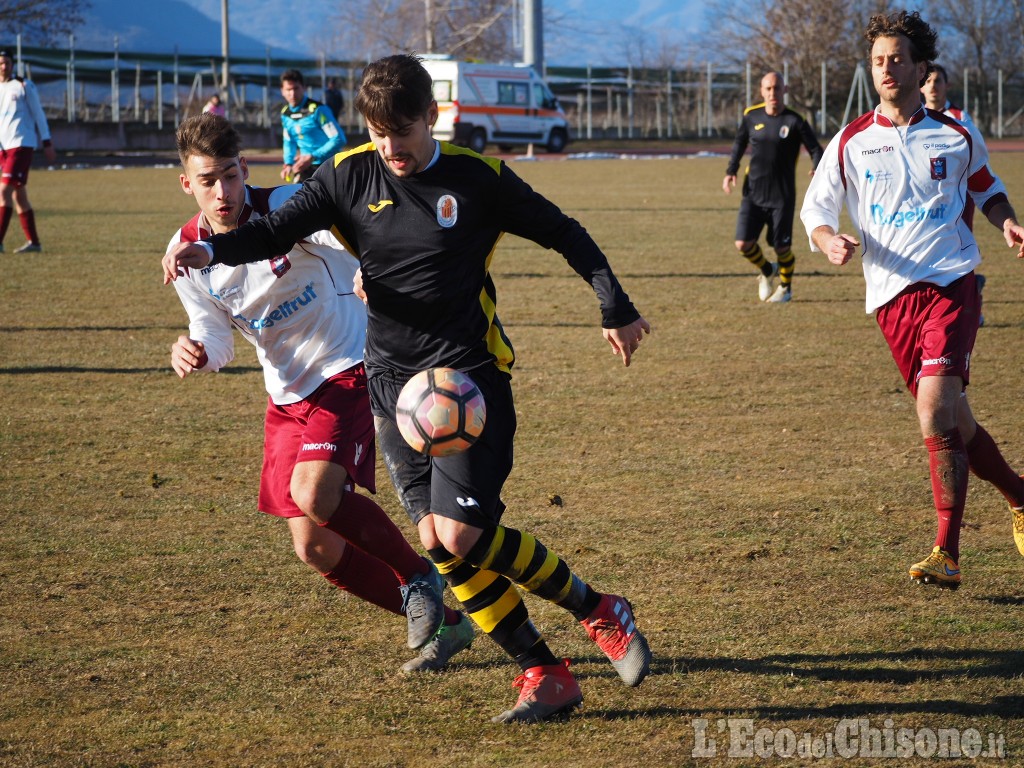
451,149
367,147
498,344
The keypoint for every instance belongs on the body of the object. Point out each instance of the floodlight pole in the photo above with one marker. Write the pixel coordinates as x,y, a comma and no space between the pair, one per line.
225,50
533,35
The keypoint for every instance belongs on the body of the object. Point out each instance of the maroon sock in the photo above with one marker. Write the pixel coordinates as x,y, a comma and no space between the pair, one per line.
360,521
5,220
367,578
28,226
947,464
989,465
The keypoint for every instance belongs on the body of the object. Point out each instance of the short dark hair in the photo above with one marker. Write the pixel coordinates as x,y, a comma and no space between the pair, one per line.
921,36
933,67
209,135
394,89
294,75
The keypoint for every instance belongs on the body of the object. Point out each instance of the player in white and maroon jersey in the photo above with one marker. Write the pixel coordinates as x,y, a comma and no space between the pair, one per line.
22,122
933,92
308,327
903,172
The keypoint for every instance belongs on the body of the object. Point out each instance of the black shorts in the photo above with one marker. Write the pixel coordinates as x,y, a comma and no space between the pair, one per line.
463,486
753,218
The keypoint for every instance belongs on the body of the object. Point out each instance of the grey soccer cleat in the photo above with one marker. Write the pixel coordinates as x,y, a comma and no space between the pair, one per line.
613,628
449,640
423,606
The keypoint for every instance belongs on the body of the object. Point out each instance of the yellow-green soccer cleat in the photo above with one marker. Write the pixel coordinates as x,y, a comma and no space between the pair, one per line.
938,568
1018,529
448,641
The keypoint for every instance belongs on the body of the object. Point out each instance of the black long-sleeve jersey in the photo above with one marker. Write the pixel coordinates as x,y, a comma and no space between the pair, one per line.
425,245
775,141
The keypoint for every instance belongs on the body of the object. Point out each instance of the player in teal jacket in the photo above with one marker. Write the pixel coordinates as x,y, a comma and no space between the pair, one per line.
311,131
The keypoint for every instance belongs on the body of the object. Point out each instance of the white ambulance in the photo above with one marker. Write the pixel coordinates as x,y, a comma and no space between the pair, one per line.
503,104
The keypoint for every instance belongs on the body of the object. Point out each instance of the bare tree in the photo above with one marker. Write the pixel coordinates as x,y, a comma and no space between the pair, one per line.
797,35
478,30
984,36
42,22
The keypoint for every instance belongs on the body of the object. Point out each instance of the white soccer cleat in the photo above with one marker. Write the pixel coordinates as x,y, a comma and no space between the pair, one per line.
782,294
765,283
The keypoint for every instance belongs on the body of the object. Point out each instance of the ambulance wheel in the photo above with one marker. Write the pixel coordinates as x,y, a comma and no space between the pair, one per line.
478,140
557,141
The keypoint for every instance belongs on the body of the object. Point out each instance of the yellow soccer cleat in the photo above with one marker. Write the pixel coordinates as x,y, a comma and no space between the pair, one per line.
1018,529
938,568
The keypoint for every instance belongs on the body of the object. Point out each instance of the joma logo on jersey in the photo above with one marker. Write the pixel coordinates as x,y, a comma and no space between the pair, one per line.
447,211
899,218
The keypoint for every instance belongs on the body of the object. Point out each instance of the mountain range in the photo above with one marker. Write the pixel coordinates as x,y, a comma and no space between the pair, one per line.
596,32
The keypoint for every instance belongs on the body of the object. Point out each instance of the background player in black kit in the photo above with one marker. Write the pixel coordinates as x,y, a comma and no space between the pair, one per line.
775,134
424,218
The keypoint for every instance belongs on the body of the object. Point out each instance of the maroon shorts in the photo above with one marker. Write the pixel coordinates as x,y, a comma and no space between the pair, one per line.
332,424
14,165
931,330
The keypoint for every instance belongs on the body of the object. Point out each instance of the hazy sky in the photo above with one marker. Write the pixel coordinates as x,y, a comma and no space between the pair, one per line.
580,32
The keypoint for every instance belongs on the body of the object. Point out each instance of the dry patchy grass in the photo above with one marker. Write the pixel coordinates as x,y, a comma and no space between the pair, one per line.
754,483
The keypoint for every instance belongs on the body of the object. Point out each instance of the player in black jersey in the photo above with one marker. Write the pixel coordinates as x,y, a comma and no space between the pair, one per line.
424,218
775,134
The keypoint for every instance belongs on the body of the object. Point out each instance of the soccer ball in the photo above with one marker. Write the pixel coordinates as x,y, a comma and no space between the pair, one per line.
440,411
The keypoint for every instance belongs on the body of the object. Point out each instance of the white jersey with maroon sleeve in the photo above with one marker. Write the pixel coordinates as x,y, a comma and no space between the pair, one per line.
22,121
299,310
905,189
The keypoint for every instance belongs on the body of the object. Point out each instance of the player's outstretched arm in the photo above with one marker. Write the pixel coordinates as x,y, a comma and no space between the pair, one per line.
182,256
626,340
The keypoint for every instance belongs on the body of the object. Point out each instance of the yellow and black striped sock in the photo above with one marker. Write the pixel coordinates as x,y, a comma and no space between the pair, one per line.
787,263
755,256
520,557
494,604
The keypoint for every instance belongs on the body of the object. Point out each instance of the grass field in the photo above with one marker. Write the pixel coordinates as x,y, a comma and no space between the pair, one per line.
754,483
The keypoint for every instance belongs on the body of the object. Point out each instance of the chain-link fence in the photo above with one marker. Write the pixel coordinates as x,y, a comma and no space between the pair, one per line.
157,89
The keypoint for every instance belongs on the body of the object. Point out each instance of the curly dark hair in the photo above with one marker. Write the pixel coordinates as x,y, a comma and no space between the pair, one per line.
922,37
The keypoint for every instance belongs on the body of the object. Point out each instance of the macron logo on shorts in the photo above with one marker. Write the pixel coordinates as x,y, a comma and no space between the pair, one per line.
319,447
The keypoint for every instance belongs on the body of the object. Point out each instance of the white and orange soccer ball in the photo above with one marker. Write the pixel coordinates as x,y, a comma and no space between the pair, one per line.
440,411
